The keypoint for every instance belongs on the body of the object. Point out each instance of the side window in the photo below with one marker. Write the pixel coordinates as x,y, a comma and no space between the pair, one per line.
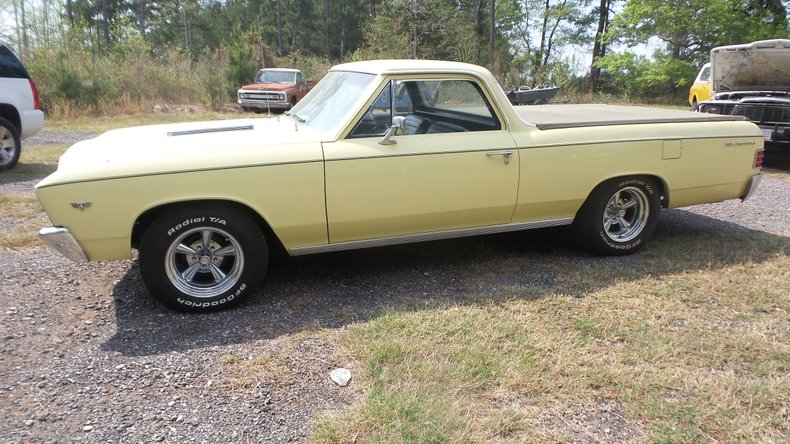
460,96
298,77
429,107
378,116
704,76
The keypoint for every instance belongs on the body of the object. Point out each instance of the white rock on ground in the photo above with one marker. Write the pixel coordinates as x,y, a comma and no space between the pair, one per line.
341,376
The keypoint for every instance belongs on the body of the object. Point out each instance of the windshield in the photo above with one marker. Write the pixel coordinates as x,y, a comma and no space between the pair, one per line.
328,105
276,77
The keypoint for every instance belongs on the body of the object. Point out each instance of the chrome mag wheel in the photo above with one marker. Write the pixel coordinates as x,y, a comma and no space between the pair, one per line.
204,262
626,214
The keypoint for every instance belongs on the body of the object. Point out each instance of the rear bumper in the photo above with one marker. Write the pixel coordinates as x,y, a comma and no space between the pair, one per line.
61,240
750,189
32,122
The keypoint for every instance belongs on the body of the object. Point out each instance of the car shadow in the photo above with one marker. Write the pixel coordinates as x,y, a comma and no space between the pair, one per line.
339,289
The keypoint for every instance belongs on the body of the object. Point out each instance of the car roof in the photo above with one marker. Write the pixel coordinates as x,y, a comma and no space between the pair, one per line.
409,66
280,69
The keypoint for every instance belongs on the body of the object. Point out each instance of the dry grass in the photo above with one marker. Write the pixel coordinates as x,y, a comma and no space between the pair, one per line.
252,371
680,354
20,219
176,114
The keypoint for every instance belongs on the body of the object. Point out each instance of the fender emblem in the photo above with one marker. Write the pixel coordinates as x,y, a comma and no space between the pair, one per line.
81,205
738,143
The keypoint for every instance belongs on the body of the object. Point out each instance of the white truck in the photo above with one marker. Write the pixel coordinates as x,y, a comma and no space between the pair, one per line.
20,113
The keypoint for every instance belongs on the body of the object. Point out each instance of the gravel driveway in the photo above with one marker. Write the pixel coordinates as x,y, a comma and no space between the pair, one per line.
89,356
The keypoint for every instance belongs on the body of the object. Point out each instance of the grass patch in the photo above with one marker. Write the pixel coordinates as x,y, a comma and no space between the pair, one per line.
105,123
689,342
252,371
20,219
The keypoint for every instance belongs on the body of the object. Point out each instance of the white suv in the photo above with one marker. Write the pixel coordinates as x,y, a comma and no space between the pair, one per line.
20,116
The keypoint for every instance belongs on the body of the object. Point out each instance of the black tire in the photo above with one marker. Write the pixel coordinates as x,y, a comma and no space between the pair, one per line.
619,216
293,102
10,145
695,105
203,258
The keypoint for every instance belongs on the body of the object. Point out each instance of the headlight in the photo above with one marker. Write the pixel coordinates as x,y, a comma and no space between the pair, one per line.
242,96
282,96
711,109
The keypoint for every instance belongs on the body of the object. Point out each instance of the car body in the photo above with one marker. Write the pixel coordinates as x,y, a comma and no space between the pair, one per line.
203,202
274,88
753,80
20,113
700,90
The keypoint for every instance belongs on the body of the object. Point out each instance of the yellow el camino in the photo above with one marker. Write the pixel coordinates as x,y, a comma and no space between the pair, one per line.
381,153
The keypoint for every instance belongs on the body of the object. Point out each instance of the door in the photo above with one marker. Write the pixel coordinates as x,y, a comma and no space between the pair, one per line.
455,167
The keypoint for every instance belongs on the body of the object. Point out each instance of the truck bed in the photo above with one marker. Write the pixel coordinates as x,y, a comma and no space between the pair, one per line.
563,116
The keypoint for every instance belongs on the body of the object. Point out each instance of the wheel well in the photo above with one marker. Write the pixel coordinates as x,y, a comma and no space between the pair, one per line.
662,186
147,218
10,113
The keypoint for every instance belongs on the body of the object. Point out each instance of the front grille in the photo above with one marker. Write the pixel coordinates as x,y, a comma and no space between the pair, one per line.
777,114
752,112
265,96
763,113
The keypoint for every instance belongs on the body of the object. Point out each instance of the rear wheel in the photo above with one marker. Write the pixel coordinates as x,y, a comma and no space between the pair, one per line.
619,216
10,145
203,258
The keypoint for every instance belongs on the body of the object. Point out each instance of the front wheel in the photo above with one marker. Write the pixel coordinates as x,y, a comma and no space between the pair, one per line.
203,258
619,216
695,105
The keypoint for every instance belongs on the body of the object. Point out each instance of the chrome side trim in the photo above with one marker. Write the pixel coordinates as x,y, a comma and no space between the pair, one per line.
423,237
752,187
61,240
695,119
209,130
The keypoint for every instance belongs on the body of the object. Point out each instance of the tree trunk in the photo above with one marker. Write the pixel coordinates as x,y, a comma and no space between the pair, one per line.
24,44
327,16
342,31
491,33
278,13
372,8
478,31
70,12
141,18
105,21
188,32
599,47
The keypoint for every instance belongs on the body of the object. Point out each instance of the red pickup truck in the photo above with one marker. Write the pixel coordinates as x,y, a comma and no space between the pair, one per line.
274,88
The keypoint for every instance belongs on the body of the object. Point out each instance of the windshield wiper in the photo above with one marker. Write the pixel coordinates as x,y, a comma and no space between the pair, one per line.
295,116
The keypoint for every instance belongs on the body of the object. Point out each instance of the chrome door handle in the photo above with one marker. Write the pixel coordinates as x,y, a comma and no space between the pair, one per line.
506,154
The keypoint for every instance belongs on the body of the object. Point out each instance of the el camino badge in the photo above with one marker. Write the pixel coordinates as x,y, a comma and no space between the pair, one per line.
81,205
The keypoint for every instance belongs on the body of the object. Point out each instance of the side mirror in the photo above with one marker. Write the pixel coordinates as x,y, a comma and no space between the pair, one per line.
398,127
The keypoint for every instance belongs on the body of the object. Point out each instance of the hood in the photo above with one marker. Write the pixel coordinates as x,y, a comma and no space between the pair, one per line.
160,149
758,66
267,87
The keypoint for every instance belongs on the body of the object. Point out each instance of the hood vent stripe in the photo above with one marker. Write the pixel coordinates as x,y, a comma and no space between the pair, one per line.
209,130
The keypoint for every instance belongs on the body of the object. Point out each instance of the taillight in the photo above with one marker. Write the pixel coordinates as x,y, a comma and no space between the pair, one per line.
759,156
36,100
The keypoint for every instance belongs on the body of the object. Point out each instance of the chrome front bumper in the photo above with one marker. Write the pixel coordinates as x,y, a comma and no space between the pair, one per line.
262,104
750,189
61,240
